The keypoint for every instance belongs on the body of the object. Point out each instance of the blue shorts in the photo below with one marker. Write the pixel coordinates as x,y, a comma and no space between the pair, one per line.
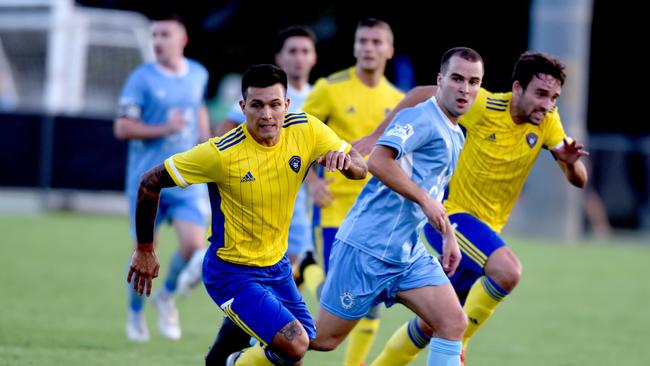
189,204
476,241
357,281
300,236
324,239
260,300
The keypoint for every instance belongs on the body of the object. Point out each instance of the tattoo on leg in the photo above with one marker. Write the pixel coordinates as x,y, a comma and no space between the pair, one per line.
292,330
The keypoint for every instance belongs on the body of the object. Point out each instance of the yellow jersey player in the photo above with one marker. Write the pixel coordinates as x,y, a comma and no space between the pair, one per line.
253,175
352,103
505,133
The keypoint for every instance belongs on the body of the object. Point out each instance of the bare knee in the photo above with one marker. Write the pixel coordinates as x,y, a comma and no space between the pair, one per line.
326,344
298,349
291,341
504,268
452,325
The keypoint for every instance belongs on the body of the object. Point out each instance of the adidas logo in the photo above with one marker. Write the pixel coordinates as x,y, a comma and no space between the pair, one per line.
248,178
351,109
492,137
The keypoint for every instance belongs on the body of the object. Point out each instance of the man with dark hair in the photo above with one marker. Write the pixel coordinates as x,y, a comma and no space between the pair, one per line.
376,256
295,53
505,133
162,112
253,175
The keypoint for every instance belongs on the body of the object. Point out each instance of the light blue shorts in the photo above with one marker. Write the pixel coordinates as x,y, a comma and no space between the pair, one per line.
189,204
356,280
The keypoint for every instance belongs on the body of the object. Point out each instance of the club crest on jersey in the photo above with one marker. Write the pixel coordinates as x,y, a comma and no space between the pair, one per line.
295,162
347,300
531,139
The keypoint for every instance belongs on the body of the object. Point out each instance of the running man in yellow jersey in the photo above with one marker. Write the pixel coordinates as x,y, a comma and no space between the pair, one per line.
352,103
505,133
253,175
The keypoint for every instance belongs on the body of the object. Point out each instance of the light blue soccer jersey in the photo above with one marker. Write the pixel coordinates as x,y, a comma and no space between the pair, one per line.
157,93
384,224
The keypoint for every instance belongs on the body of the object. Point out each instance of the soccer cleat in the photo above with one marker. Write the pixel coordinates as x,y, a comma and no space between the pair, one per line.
136,327
232,359
168,320
307,260
191,275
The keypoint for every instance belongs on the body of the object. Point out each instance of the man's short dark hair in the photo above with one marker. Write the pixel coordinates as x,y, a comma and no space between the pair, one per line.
532,64
163,16
293,31
263,76
465,53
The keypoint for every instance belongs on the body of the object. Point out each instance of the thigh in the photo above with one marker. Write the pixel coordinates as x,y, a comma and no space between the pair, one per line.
477,242
356,282
436,305
261,301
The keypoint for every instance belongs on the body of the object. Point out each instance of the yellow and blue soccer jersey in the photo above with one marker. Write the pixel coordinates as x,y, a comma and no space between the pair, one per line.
497,157
252,187
352,110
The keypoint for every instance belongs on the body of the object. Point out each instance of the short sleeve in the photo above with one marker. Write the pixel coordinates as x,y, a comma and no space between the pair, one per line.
325,139
133,95
407,132
201,164
318,102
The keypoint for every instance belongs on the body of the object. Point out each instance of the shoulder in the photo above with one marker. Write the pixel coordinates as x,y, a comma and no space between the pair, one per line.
497,102
196,66
339,77
294,119
233,138
142,71
392,89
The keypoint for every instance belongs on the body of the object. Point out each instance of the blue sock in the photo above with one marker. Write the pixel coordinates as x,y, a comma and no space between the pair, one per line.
443,352
136,302
176,265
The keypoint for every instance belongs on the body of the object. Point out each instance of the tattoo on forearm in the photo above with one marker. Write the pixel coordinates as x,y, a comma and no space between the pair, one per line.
147,202
292,330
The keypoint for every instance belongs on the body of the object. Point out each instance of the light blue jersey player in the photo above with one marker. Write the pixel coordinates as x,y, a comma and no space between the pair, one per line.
377,256
161,113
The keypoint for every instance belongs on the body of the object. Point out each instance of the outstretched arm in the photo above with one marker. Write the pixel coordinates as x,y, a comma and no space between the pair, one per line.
416,96
351,164
144,262
568,155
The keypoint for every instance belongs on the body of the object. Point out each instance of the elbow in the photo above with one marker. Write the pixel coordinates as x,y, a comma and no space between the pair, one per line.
119,131
580,182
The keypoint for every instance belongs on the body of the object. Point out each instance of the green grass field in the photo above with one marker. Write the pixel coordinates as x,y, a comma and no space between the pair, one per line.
62,302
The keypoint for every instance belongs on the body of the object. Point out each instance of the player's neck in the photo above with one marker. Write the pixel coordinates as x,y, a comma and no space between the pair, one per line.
450,117
370,78
175,65
297,84
264,141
